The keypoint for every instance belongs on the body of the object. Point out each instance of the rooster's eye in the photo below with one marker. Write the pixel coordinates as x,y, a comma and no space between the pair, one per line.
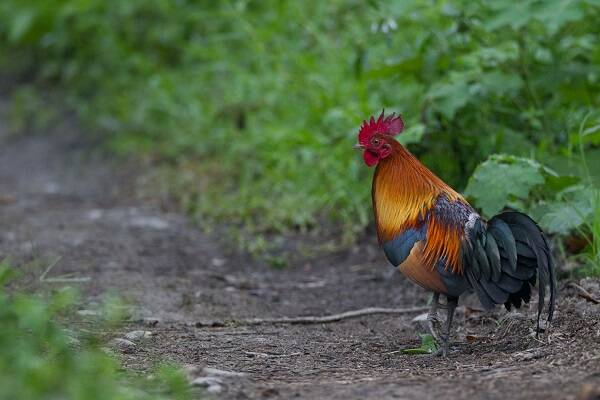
375,141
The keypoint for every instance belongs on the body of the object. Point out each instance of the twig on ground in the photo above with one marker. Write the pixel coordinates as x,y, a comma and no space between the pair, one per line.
310,319
267,355
63,279
584,293
389,353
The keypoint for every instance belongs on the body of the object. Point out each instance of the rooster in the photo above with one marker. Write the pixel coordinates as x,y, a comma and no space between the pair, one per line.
437,239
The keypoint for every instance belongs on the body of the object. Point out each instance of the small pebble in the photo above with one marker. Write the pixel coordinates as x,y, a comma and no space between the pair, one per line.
73,341
209,323
218,262
205,381
88,313
151,321
214,389
124,345
10,236
149,222
190,370
51,188
94,214
220,372
138,335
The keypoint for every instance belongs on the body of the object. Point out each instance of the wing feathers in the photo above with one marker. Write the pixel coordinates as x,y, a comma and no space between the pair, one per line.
505,240
398,249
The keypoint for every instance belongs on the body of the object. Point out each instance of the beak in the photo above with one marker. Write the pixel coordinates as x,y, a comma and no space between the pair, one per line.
358,146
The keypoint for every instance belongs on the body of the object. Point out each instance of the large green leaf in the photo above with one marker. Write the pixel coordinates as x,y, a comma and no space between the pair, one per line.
570,211
554,14
21,24
502,178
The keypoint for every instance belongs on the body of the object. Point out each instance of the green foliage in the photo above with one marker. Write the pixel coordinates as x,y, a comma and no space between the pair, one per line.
255,104
570,210
40,359
576,211
502,179
28,111
593,255
562,205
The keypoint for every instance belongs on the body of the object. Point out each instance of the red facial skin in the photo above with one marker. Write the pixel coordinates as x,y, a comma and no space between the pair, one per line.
375,137
376,149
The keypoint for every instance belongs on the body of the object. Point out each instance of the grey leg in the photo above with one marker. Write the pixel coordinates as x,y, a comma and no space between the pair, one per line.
452,302
433,321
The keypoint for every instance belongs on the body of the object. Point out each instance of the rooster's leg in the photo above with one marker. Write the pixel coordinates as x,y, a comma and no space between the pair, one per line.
452,302
433,321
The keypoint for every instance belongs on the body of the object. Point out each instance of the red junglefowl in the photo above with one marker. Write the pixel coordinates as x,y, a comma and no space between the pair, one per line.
435,238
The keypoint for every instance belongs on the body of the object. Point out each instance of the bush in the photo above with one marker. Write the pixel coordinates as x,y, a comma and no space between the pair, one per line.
257,103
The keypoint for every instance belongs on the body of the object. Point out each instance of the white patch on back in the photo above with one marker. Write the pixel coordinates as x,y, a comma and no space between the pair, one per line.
471,222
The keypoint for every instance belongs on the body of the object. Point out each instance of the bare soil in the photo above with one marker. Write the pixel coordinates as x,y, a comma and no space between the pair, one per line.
63,201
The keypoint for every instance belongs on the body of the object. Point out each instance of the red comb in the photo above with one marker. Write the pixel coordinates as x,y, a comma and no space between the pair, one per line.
390,125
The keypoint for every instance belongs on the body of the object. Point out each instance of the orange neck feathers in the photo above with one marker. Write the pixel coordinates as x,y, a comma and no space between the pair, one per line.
404,193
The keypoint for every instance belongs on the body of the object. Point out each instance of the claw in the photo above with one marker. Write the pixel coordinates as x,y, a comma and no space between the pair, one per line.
434,326
434,330
444,344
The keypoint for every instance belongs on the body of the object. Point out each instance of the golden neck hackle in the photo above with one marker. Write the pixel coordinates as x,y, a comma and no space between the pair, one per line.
404,191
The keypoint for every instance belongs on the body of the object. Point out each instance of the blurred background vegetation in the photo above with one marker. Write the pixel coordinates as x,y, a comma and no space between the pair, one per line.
251,107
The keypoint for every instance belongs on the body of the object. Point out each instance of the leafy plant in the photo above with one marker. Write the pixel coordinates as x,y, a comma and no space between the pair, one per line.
39,358
564,205
576,212
571,209
28,111
428,346
592,257
502,179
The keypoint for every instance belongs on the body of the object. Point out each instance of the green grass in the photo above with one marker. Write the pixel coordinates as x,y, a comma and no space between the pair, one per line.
595,245
46,354
590,228
592,257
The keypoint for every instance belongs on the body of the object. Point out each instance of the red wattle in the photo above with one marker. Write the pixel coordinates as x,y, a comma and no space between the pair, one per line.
370,158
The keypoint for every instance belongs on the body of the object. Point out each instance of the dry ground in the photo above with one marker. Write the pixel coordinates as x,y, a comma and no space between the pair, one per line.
59,198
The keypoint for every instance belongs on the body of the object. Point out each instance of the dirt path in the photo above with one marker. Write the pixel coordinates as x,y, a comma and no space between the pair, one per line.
59,199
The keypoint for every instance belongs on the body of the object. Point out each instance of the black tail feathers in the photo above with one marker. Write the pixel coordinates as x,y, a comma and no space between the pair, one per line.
504,259
523,251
